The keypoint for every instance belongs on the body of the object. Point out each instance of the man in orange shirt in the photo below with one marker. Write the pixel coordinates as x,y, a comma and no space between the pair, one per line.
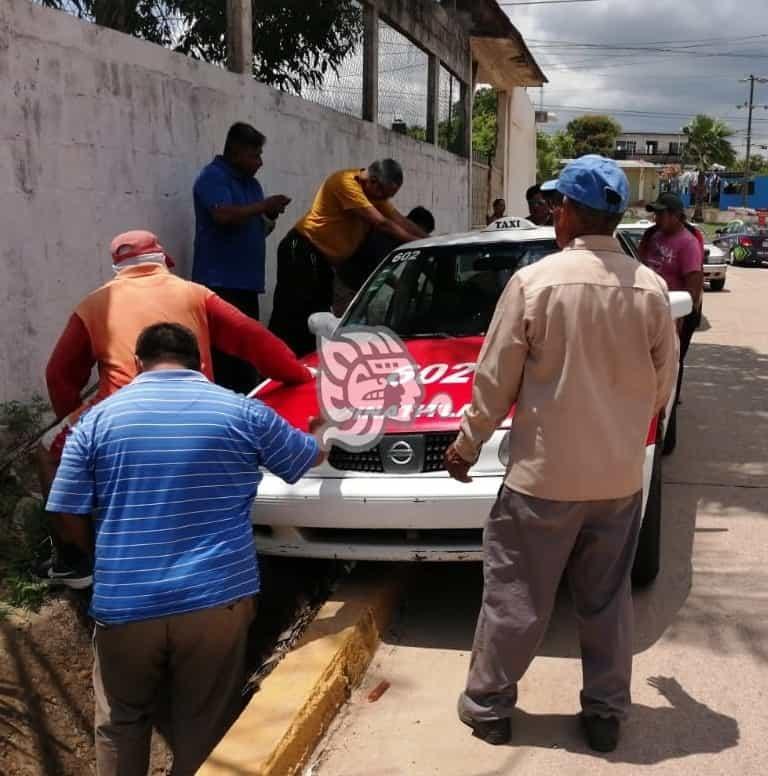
349,204
102,332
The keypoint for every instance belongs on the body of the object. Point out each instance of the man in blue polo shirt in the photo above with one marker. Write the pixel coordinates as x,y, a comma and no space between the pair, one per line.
169,467
230,234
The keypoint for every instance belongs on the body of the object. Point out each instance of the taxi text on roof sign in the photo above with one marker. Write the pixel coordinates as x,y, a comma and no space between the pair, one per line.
510,223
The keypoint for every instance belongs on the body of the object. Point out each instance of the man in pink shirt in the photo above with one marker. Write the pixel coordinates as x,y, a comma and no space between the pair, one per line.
672,250
675,250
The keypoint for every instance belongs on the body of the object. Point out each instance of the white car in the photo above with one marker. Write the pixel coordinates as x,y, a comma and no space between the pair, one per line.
395,502
715,260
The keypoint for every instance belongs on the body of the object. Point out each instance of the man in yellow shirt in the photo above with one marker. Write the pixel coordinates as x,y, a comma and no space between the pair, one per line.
349,204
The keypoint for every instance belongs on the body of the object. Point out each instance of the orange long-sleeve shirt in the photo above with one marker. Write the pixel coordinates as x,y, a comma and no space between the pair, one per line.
104,328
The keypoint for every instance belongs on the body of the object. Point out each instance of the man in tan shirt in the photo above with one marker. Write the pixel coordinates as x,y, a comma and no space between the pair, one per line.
584,346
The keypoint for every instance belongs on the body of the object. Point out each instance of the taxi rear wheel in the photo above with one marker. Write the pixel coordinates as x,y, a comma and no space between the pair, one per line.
717,285
648,555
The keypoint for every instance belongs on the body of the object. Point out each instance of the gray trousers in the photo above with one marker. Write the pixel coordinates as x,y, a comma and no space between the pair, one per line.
528,544
199,658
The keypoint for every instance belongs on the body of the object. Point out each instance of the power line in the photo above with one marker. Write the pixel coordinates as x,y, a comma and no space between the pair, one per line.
698,41
626,111
547,2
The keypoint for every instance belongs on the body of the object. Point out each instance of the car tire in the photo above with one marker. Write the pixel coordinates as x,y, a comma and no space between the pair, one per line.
648,556
717,285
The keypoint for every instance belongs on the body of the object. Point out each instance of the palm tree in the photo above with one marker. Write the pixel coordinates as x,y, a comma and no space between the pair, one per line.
707,145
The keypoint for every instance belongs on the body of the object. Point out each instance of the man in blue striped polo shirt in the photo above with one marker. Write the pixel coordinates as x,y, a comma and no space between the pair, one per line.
169,467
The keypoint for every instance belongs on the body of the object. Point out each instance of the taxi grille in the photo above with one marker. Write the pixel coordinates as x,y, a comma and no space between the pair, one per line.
435,449
364,461
435,446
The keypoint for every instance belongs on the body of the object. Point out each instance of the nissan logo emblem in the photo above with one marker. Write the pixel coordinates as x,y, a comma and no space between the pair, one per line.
401,453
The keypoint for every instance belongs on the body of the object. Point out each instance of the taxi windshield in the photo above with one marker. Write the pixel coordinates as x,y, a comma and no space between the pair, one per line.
445,291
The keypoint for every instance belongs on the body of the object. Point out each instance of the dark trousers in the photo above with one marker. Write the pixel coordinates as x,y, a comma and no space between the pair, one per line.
528,543
690,323
304,286
229,371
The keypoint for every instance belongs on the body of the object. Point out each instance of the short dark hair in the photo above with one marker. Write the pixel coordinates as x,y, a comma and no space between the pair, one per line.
387,171
532,192
423,218
498,201
242,135
596,221
168,342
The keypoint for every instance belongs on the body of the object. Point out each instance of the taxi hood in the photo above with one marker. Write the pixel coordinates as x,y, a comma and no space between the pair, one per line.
446,372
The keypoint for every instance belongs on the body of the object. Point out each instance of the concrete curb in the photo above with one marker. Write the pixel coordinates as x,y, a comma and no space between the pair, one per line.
278,731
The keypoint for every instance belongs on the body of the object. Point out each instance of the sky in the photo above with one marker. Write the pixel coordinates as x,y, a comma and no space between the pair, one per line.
664,88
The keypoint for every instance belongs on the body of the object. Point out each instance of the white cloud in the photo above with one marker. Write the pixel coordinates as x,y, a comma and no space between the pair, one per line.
655,82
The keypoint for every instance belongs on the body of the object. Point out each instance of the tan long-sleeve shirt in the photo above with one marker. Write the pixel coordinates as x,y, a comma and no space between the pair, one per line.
583,343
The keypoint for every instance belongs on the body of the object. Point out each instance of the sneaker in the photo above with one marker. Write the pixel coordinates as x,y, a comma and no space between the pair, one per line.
497,732
601,733
60,575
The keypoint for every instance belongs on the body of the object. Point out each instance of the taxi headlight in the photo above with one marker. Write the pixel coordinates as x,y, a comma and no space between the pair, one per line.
504,449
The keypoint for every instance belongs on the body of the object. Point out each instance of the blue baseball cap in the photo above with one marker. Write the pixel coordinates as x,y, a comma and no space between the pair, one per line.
593,181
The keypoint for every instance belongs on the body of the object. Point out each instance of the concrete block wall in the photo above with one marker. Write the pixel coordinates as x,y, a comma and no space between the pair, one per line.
100,132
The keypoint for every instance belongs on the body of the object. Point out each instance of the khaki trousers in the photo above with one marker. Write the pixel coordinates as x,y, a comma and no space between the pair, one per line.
198,659
528,544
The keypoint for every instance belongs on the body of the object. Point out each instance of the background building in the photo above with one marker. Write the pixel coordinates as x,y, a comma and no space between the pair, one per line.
656,147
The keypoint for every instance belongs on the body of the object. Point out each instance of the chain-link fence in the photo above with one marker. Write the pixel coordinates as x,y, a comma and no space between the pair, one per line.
403,76
323,67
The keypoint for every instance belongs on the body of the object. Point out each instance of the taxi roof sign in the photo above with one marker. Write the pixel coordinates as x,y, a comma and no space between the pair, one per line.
509,222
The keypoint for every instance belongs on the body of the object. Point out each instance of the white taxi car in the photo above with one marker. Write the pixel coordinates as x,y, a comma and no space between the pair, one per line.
395,501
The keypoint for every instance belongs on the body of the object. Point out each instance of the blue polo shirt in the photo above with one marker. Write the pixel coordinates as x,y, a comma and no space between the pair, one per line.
169,467
227,256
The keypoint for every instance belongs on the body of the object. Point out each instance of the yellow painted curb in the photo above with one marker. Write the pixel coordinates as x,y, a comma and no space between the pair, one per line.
284,721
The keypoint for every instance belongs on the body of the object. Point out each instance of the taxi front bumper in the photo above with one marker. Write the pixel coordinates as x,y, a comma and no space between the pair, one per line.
379,517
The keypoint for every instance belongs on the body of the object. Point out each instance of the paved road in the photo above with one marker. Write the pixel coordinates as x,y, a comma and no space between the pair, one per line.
701,666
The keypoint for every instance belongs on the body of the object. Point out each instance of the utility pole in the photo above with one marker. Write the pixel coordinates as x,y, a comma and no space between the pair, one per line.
749,139
750,107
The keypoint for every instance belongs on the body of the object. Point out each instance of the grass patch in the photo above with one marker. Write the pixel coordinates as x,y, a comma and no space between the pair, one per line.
23,522
710,230
23,546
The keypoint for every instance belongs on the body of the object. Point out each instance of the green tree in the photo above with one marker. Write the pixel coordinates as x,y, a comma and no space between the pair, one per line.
594,135
707,143
550,150
484,122
295,43
758,164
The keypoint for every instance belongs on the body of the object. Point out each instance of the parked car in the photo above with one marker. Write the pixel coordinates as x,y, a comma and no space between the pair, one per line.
744,244
395,502
715,261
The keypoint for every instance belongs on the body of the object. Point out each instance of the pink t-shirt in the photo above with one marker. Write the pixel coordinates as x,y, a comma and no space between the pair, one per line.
674,256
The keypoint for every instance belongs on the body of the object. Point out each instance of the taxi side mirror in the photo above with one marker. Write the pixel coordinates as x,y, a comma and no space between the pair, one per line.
681,303
323,324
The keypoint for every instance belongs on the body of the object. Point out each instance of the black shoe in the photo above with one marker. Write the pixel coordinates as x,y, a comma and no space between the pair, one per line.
77,577
497,732
602,733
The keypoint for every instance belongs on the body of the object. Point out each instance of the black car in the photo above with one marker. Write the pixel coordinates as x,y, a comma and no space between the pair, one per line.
744,244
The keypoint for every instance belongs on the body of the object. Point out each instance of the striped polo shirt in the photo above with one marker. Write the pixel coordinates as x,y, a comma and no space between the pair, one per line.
169,467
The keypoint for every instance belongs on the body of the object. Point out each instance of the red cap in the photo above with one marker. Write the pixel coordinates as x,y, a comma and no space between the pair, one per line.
131,245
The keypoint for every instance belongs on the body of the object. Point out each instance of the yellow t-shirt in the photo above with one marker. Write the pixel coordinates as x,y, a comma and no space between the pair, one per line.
330,225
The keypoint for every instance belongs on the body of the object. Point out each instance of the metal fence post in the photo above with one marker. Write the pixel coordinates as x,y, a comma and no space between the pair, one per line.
370,62
433,99
240,36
